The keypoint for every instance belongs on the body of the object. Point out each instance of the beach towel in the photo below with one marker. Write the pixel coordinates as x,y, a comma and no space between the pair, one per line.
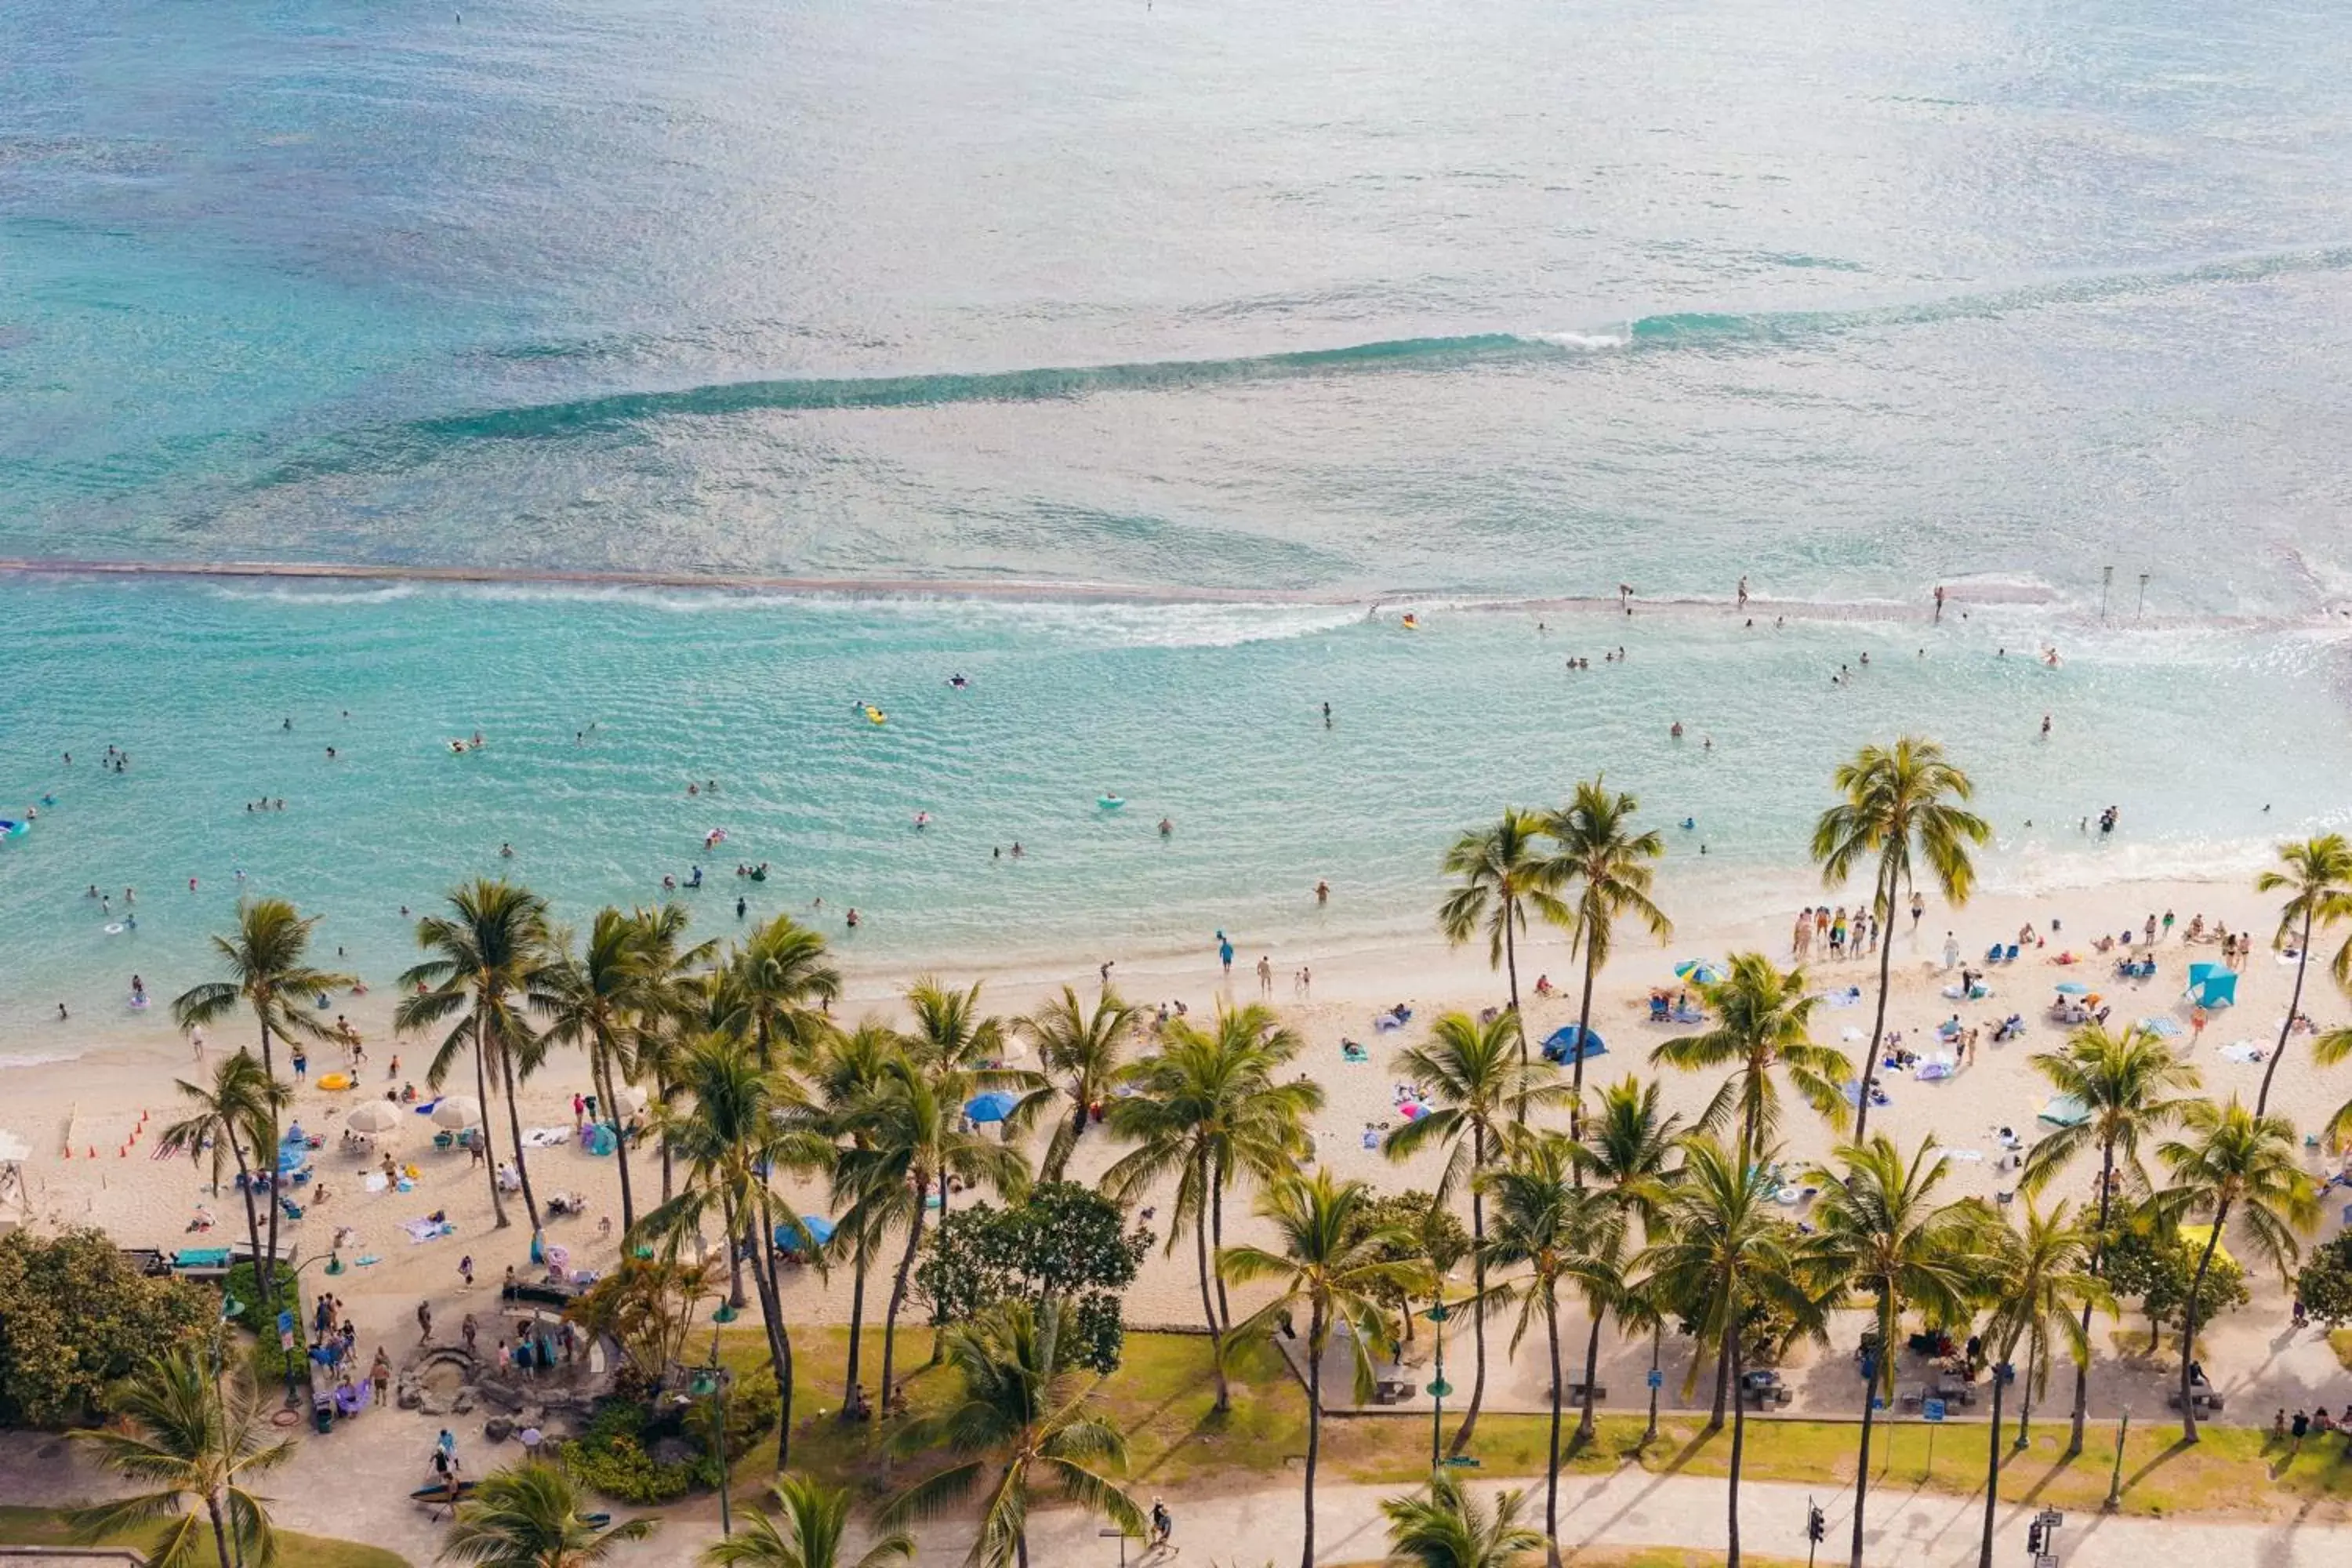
376,1181
1848,997
546,1137
1971,1156
1934,1072
2162,1028
424,1230
2242,1051
365,1262
426,1108
1850,1033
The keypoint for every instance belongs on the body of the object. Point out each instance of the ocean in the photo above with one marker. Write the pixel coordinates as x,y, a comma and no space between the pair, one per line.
1261,317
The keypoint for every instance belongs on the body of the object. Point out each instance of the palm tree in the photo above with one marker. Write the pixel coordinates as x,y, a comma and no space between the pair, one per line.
1900,802
1209,1107
1611,868
533,1515
1543,1222
1336,1265
268,967
1763,1020
771,979
1723,1257
808,1529
1082,1049
744,1123
2039,1276
1021,1420
1882,1236
909,1133
1630,1149
1502,873
952,1036
1473,1081
489,958
1447,1529
185,1436
2317,875
2233,1161
607,998
235,1118
849,1072
2126,1083
684,1000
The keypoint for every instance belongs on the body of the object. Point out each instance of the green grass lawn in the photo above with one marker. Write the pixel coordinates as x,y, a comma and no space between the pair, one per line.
46,1527
1163,1398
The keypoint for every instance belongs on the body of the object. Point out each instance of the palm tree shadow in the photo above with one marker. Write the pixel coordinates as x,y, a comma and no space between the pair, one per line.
2172,1452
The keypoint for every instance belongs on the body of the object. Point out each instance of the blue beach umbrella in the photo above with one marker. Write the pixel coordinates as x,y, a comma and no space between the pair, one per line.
991,1107
1700,971
1568,1044
820,1230
2072,988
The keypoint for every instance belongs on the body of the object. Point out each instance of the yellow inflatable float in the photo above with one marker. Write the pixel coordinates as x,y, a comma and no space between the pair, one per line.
876,716
335,1080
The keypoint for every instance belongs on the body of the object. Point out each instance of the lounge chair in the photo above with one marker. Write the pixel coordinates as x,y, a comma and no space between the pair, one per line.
2010,957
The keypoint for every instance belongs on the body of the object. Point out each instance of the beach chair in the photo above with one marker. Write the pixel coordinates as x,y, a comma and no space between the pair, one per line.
2012,956
1659,1013
1993,953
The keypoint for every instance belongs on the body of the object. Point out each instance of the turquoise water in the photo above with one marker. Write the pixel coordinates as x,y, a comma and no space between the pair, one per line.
1209,715
1522,302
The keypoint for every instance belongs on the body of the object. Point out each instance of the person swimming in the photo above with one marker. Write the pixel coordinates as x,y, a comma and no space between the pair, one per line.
922,820
958,681
1166,828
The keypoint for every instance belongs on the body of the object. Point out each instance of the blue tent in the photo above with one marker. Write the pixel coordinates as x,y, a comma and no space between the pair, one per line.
1563,1046
2212,985
816,1224
991,1107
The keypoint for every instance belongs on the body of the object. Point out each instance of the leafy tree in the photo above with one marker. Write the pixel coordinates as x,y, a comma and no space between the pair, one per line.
1412,1225
533,1515
1021,1421
1062,1242
1500,873
1449,1529
807,1527
75,1317
2323,1284
1612,869
646,1305
1339,1280
1897,804
1883,1237
489,955
232,1118
188,1439
2232,1161
2145,1260
2316,876
269,971
1473,1083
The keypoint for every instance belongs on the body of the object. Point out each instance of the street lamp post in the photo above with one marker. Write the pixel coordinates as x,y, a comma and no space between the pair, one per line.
710,1382
2116,1482
1438,1387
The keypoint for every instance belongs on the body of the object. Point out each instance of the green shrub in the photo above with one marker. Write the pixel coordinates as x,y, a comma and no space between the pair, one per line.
75,1317
752,1407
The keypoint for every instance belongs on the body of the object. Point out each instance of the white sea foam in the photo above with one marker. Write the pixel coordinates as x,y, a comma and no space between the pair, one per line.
36,1058
1583,342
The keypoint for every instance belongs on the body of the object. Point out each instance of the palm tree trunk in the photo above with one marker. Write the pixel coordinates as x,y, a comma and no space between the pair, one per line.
1478,1283
1658,1338
514,1130
1583,1022
2295,1003
1585,1425
1519,1019
252,1219
856,1328
734,1251
1869,1418
1724,1374
264,1264
938,1309
780,1338
1880,893
1217,1242
1551,1463
1209,1309
2098,1270
482,1092
1314,1420
1992,1474
899,1296
2189,1321
220,1532
608,1085
1739,1448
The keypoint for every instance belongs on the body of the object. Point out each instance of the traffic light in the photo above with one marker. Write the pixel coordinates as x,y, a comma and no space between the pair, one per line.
1816,1527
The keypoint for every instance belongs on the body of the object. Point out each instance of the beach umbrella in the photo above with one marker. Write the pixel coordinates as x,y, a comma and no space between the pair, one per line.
991,1107
375,1116
1569,1044
1700,971
458,1112
628,1100
2072,988
820,1230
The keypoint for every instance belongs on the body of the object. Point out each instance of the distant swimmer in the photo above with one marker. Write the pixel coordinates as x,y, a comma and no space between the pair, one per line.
1676,731
1322,892
958,681
1689,823
506,851
739,908
853,920
922,820
1166,828
1326,715
2045,726
1411,623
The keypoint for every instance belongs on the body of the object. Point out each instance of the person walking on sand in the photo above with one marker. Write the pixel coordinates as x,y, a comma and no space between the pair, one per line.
425,1321
1951,951
1743,591
1265,975
1226,953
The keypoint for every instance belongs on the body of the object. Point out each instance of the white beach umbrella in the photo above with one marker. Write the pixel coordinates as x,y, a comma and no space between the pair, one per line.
458,1112
375,1116
628,1100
